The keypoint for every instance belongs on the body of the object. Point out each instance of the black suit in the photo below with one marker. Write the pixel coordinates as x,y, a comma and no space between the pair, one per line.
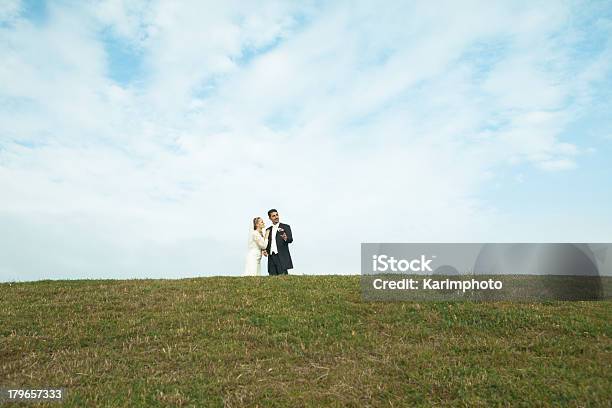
279,263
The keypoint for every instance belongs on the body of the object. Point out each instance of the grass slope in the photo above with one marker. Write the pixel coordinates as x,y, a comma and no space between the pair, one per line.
296,341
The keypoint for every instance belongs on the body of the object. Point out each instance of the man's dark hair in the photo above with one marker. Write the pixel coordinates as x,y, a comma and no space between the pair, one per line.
271,211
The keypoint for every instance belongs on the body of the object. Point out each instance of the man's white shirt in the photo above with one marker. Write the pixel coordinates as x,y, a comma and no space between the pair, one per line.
273,248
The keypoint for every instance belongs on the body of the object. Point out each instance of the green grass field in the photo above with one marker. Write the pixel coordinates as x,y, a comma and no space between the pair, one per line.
296,341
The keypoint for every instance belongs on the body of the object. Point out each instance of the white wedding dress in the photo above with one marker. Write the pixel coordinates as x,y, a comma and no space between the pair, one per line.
253,257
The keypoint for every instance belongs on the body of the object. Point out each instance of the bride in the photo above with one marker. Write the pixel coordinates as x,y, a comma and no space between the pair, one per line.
258,240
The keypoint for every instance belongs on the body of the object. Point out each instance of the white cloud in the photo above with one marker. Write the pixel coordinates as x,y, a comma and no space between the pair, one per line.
358,124
9,10
560,164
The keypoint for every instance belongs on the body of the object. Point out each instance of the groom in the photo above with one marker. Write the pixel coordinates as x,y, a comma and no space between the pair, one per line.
279,259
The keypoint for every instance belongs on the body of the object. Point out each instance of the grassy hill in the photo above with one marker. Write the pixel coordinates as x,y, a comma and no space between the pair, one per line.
296,341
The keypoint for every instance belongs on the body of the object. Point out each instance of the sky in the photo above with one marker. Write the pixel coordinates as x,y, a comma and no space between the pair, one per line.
138,139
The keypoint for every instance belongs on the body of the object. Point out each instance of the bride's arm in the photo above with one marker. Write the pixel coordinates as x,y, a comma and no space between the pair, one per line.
261,242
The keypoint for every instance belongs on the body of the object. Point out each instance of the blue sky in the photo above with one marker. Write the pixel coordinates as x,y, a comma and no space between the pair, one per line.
138,138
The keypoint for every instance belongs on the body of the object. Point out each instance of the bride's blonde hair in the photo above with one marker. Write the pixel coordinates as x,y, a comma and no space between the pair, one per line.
255,220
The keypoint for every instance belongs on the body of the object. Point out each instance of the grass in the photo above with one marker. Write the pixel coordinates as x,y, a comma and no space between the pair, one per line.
296,341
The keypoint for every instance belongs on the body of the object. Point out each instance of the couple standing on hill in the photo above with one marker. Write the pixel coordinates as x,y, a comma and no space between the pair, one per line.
276,249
